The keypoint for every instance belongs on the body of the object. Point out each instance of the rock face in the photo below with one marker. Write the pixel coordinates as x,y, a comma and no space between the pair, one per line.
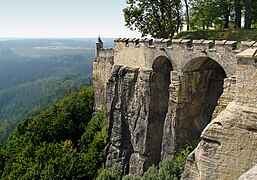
229,143
250,175
228,146
133,134
159,96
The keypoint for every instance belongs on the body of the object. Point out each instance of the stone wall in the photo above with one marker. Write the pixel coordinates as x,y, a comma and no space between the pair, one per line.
160,94
102,68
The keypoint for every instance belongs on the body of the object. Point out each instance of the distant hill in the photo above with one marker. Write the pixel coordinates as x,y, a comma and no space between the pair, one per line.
35,73
29,99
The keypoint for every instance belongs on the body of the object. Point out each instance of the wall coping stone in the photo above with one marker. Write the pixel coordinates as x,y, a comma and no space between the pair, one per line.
176,40
248,43
248,54
198,41
208,42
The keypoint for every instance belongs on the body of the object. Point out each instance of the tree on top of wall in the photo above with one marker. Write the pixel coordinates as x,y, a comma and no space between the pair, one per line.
158,18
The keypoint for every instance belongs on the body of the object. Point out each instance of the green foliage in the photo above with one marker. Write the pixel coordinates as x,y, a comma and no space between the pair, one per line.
46,147
31,98
170,168
49,161
35,73
113,173
94,126
151,173
130,177
161,19
183,154
2,160
155,17
228,34
64,120
94,156
202,14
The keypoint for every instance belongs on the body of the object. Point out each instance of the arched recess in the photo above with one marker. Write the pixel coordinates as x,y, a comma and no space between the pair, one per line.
158,107
201,86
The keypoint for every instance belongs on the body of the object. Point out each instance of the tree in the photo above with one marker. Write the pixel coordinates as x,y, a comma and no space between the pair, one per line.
159,18
224,10
238,13
203,14
248,15
187,13
63,142
254,13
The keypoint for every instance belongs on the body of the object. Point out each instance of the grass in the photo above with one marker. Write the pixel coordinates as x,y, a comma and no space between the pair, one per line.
226,34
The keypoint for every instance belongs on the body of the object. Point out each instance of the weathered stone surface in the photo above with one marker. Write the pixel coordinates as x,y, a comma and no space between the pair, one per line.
229,143
229,91
250,175
228,146
160,95
128,94
102,68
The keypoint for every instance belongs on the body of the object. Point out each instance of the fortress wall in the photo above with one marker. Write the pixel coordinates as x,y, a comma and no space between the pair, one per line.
123,79
246,87
102,68
141,53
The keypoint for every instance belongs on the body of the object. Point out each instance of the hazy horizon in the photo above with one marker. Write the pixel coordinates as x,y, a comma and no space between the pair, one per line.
63,19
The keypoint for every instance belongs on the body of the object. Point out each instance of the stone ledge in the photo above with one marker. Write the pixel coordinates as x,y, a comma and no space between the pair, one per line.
247,43
248,54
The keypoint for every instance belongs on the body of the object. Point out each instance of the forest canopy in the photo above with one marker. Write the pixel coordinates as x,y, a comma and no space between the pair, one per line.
63,142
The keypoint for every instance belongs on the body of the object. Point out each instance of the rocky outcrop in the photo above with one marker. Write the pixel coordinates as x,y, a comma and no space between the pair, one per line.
228,146
128,108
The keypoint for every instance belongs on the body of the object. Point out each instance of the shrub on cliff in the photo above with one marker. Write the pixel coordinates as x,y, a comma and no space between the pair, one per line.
170,168
113,173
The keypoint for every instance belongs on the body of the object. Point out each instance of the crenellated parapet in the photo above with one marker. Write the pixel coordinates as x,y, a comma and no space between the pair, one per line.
184,43
121,44
105,52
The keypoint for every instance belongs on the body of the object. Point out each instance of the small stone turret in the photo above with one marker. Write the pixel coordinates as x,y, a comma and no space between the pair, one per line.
99,45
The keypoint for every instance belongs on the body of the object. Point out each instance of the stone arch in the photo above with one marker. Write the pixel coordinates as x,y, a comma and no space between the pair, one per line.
158,108
226,60
201,86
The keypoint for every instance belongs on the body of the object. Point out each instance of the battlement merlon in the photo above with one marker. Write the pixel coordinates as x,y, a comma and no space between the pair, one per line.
185,43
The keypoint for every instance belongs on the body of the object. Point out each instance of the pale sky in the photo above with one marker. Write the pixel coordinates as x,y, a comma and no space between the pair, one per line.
63,18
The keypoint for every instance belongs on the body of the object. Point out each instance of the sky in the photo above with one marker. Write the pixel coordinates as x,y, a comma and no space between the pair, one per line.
63,19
